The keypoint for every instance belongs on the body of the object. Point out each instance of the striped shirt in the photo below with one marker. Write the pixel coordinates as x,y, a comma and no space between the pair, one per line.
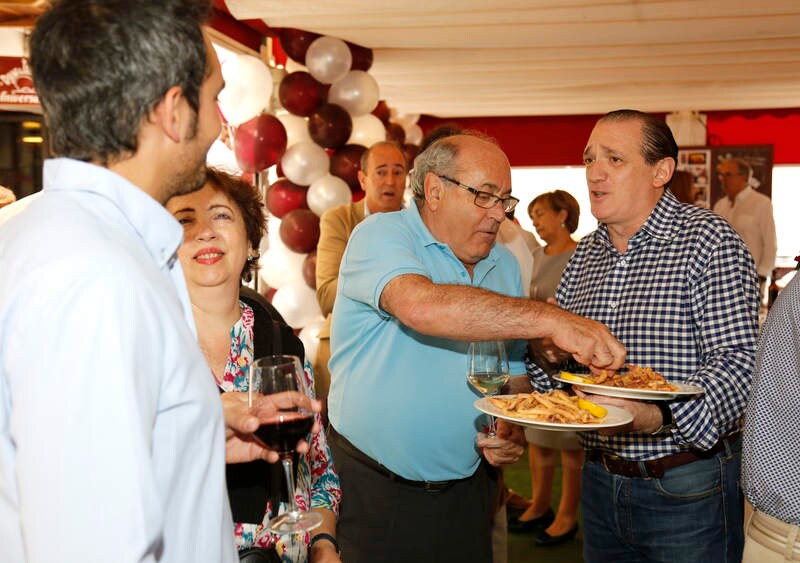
771,446
683,299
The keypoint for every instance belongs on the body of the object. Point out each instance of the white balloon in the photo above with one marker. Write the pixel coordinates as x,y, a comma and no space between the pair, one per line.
367,130
328,59
357,92
326,193
248,88
279,267
273,238
309,336
413,134
296,129
221,157
305,162
297,304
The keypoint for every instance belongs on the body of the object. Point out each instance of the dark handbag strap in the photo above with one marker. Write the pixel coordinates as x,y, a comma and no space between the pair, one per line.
277,340
259,555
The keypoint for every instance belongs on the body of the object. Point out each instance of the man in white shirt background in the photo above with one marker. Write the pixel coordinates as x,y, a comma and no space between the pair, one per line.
750,213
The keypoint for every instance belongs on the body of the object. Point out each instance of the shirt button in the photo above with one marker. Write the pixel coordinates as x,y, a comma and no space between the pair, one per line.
613,305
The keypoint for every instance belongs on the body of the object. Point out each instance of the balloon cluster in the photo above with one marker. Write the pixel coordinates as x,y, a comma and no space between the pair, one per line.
329,113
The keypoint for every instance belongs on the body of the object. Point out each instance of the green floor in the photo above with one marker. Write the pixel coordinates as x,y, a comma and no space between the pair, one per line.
521,548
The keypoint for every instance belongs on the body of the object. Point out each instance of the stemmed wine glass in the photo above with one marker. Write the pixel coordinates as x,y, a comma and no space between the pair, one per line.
275,374
488,370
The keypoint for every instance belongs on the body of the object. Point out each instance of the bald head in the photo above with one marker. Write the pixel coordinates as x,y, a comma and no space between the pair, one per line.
444,155
454,172
383,177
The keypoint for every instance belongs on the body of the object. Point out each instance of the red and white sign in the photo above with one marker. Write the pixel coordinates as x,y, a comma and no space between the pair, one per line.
16,82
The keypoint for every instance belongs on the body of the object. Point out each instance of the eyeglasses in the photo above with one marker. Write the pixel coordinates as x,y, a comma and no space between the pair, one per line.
486,200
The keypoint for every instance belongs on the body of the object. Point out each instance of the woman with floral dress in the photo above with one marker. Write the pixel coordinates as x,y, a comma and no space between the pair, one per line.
223,224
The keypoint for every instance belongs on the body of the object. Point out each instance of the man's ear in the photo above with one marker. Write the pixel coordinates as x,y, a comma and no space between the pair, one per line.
169,113
663,172
362,180
434,190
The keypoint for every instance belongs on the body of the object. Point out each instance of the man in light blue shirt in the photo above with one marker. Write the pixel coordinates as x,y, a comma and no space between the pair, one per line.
112,443
415,287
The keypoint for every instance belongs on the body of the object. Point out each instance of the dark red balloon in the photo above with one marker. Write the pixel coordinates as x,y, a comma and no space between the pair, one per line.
362,57
259,143
411,152
310,270
300,230
358,195
346,162
330,126
382,112
284,196
301,94
295,43
396,133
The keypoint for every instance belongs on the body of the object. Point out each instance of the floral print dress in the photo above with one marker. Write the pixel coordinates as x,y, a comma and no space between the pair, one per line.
317,482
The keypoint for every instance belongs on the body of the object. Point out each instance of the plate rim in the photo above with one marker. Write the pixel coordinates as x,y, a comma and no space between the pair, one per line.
631,393
626,418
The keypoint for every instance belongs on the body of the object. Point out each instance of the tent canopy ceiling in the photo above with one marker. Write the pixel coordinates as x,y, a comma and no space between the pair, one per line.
554,57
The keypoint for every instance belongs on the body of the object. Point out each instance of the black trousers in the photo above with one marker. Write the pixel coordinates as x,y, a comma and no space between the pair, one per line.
383,520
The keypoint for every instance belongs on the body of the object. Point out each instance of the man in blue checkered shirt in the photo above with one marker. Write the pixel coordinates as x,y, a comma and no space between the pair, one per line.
676,285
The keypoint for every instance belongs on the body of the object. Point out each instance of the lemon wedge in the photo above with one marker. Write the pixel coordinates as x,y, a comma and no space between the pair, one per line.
594,410
576,378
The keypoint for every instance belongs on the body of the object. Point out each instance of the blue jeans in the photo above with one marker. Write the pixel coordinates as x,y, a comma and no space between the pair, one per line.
694,513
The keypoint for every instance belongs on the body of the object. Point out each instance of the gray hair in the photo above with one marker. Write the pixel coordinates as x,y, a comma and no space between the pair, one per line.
101,66
437,158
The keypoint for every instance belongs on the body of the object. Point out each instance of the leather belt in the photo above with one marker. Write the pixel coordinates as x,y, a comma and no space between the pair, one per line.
655,468
359,456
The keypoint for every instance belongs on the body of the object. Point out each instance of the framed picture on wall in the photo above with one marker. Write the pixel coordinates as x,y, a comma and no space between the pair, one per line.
741,163
697,161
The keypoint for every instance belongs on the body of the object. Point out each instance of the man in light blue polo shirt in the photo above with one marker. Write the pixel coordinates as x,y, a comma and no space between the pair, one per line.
415,287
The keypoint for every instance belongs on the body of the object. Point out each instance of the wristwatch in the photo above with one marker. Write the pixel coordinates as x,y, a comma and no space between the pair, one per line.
667,422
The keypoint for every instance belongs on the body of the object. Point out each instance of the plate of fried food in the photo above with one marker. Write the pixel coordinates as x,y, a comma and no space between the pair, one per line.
554,410
635,383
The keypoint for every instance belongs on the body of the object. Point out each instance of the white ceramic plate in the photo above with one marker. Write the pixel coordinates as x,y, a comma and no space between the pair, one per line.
684,390
615,417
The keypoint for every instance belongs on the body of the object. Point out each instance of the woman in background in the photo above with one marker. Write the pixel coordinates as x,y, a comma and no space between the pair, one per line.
223,224
555,217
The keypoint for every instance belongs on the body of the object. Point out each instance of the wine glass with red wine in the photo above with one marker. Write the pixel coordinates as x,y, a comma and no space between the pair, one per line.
275,374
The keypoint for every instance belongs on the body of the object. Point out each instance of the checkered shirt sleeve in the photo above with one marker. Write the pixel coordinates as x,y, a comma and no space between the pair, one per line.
683,299
770,452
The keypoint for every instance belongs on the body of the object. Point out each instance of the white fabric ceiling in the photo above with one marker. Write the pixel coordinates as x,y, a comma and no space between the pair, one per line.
547,57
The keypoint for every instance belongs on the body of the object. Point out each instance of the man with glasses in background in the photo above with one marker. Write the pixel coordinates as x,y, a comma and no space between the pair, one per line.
415,288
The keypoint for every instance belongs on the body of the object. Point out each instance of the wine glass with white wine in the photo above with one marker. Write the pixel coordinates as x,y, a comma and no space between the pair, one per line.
488,370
